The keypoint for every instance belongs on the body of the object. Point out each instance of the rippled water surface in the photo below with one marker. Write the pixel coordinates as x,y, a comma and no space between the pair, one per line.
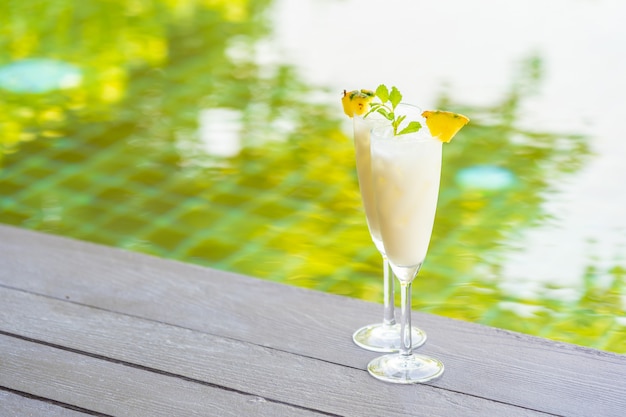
211,132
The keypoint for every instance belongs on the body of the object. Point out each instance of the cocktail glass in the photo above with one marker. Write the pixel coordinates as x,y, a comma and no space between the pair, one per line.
406,170
384,336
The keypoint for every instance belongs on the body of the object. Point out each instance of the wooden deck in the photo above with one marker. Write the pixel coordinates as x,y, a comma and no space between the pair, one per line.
90,330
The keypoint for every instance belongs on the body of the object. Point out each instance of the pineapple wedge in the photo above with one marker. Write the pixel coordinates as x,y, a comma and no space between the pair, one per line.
356,102
444,124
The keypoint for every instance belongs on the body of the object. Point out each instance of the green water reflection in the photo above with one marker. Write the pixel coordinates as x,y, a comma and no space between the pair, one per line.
125,155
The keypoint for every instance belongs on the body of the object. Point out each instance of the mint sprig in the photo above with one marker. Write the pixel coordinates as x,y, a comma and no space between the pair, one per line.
389,100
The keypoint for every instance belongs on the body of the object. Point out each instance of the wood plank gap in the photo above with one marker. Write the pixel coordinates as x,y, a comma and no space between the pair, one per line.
114,389
134,316
54,402
155,371
521,407
225,388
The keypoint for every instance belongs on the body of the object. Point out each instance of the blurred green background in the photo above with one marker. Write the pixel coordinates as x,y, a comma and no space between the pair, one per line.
151,125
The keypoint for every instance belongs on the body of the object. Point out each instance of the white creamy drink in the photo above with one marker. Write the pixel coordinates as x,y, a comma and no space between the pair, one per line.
363,158
406,170
362,128
384,336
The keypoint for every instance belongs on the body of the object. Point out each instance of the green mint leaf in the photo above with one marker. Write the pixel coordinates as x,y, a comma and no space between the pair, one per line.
382,93
385,113
411,128
395,97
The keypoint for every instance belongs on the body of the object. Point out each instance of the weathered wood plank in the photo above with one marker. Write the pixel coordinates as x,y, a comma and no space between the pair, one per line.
522,370
118,390
262,372
14,405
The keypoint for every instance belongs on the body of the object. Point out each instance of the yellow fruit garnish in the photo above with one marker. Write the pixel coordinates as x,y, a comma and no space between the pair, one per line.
356,102
444,124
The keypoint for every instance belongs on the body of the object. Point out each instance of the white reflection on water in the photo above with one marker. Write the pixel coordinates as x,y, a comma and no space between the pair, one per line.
39,75
485,177
219,130
473,48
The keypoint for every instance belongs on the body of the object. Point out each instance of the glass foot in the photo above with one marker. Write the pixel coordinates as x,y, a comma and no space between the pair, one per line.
405,369
384,338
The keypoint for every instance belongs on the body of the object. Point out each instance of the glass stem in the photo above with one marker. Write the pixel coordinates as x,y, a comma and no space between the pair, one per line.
389,318
405,327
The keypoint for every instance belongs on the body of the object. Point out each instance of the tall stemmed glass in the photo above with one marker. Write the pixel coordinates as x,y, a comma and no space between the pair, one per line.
384,336
406,170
